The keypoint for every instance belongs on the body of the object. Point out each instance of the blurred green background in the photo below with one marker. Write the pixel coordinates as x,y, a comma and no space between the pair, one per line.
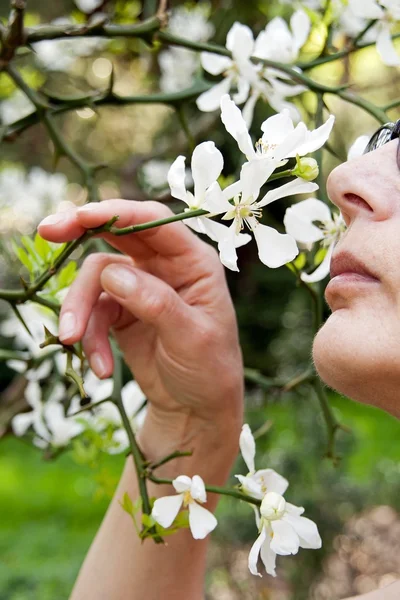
50,510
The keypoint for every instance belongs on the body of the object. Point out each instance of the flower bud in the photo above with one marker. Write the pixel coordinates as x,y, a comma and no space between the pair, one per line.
306,168
273,506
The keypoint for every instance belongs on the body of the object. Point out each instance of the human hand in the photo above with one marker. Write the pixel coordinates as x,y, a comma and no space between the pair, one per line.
166,300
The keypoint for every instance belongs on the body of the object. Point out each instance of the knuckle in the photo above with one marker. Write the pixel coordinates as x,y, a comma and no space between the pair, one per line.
159,305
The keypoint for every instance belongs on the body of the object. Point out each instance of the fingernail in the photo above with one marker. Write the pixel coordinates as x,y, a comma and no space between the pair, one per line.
119,280
67,325
98,365
88,207
53,219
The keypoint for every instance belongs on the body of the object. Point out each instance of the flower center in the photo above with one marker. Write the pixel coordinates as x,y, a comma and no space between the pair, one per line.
187,498
263,147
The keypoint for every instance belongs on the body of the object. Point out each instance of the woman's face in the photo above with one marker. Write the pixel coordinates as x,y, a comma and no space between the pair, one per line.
357,351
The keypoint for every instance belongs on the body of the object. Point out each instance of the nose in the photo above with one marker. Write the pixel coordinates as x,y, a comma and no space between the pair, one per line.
367,187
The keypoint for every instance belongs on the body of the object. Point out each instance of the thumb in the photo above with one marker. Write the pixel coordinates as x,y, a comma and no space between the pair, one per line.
148,298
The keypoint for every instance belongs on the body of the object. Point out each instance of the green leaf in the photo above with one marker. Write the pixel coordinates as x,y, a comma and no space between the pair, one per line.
42,247
30,248
127,504
148,520
24,258
319,257
67,275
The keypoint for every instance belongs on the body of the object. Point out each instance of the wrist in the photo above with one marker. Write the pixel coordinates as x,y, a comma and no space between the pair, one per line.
214,444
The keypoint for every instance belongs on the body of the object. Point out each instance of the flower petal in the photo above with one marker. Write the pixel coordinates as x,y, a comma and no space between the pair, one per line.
250,486
216,201
306,530
315,139
247,446
277,128
20,423
216,231
240,41
366,9
201,521
165,509
296,186
274,249
386,48
182,483
300,24
255,552
272,481
249,107
227,248
207,164
322,270
235,124
358,146
210,100
243,90
214,63
176,179
298,220
268,556
285,539
197,489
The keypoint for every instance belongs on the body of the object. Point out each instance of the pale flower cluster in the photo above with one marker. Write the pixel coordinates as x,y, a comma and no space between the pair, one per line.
282,528
48,419
16,107
250,77
61,54
240,202
25,198
178,66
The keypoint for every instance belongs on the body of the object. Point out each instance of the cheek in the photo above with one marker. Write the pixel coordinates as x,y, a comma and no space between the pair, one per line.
357,352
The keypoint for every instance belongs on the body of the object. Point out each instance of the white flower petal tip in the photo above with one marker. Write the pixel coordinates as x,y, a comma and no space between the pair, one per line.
201,521
166,509
358,146
247,447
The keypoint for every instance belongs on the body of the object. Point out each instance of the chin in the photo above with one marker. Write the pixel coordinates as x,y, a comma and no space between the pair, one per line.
351,360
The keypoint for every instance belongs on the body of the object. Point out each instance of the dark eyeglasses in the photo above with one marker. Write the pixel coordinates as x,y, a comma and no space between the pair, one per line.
385,134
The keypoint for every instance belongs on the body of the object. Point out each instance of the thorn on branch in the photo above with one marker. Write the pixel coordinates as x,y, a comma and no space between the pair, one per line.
14,34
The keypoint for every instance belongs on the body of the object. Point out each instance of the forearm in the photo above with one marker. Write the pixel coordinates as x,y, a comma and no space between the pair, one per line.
122,567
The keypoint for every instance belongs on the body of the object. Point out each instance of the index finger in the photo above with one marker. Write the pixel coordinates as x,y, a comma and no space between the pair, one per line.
173,239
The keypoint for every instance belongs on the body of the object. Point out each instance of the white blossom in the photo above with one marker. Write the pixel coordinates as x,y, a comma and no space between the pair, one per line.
257,483
282,530
26,198
254,81
191,494
36,317
15,107
309,222
238,71
107,414
88,6
179,65
358,146
47,418
155,175
387,14
277,39
206,167
60,55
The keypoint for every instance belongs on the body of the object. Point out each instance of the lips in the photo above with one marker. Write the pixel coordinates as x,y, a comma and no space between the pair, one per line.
345,263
